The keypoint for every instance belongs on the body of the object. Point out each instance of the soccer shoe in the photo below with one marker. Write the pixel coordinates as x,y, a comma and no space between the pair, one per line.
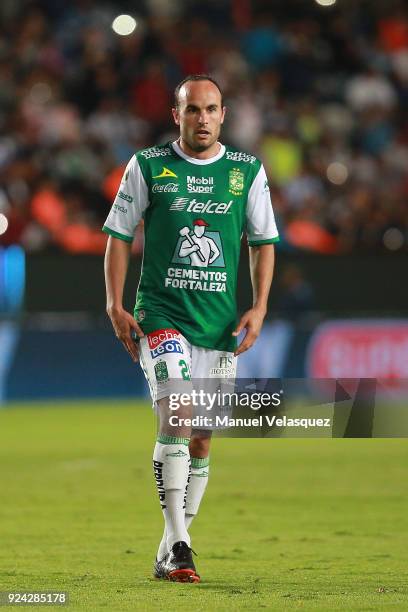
179,565
159,568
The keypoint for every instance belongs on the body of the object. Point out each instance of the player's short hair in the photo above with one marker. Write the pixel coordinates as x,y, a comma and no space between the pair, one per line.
195,77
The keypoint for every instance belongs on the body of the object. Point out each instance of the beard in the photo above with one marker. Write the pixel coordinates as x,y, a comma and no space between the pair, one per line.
199,147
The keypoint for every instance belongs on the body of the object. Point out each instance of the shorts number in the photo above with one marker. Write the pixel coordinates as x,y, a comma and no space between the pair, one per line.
184,370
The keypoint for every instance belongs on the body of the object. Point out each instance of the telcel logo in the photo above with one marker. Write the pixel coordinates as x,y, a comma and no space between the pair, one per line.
218,208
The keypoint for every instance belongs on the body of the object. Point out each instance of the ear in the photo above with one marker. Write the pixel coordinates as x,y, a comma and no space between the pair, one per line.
224,110
176,116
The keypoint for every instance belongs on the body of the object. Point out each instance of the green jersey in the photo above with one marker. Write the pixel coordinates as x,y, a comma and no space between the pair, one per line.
195,212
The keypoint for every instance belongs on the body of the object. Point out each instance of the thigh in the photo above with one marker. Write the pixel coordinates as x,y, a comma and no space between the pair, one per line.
165,357
208,363
213,375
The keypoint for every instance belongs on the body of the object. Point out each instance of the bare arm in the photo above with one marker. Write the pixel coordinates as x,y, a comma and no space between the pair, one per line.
116,265
261,263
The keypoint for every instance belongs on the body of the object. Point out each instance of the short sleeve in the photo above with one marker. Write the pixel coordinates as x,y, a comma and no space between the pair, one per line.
260,221
129,205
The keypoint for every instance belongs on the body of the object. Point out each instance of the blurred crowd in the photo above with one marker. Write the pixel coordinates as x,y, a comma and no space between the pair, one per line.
318,93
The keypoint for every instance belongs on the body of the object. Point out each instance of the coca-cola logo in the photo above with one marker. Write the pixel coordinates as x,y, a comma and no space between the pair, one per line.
166,188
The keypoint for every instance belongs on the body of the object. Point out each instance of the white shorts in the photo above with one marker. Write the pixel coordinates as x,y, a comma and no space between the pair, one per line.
172,365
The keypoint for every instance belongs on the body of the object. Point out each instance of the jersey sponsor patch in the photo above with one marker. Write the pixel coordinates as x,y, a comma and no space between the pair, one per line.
168,346
209,207
200,184
155,152
125,196
160,335
199,247
165,188
196,280
226,367
118,208
240,156
166,173
164,341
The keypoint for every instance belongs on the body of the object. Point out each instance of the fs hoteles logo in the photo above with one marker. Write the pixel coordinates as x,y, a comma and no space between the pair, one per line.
226,367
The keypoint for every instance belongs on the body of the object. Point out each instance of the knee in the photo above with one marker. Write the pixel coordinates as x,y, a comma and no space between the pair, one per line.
200,445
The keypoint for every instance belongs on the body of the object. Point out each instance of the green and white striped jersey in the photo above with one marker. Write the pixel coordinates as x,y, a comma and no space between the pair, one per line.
195,212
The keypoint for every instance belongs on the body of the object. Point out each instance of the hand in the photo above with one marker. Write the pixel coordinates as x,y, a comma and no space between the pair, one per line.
194,248
123,324
252,321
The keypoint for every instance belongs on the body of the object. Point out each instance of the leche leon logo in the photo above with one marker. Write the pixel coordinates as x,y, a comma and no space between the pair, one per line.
200,184
164,341
160,335
168,346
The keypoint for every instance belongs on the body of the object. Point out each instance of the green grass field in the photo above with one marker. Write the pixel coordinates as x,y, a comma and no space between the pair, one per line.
285,524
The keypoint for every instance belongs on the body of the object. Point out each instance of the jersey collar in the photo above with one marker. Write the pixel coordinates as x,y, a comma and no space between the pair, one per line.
193,160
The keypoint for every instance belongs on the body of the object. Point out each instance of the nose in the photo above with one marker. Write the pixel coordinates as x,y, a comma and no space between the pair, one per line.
203,118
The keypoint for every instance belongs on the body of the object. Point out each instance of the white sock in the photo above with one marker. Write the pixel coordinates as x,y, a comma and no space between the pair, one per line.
200,469
196,488
171,464
162,551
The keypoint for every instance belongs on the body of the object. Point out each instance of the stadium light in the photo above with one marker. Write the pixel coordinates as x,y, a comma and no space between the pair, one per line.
325,2
124,25
393,239
337,173
40,93
3,223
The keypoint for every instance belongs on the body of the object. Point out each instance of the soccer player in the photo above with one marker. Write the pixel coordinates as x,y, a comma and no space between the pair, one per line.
197,197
